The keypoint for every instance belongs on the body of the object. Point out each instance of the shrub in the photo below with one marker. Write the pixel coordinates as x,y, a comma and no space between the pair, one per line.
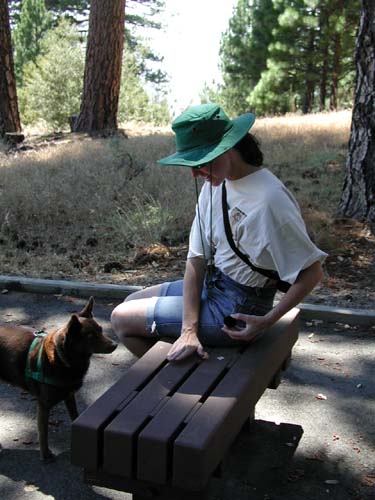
134,102
53,84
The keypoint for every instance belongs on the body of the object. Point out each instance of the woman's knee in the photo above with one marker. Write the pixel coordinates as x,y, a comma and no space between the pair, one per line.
122,319
118,321
130,318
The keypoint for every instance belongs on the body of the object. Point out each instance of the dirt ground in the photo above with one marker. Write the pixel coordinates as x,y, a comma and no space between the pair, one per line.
349,269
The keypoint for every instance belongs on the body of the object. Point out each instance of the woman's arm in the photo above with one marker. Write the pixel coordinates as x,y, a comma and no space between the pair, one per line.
188,342
255,325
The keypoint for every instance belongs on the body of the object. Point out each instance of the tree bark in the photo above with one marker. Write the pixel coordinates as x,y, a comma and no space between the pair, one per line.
323,28
358,195
336,71
98,113
308,100
9,114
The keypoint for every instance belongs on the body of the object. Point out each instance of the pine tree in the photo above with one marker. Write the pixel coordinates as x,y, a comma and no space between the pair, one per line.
244,50
102,77
291,75
34,21
140,14
134,102
52,89
303,53
358,198
342,21
9,115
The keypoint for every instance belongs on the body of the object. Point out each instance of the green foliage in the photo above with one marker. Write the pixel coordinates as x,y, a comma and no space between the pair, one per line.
211,94
50,63
266,97
144,56
53,84
234,52
78,10
52,88
291,67
70,9
244,51
134,102
280,56
139,14
33,23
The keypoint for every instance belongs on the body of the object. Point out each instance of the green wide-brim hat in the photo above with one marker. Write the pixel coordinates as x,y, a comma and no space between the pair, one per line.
205,132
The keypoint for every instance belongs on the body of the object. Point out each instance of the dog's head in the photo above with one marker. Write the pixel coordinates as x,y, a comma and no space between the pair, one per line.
83,334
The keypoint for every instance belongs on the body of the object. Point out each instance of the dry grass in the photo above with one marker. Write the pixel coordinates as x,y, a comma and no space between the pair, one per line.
72,206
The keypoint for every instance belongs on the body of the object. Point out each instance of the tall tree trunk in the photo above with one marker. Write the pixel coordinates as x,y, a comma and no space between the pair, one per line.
308,100
336,71
102,77
9,115
358,197
323,28
323,81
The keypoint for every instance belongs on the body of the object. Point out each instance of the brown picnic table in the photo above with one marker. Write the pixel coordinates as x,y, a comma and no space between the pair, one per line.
163,429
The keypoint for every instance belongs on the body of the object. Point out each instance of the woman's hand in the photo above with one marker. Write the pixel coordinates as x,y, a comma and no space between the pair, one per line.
255,325
185,346
253,329
188,342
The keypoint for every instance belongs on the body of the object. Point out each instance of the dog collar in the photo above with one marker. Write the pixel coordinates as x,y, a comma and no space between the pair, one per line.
40,337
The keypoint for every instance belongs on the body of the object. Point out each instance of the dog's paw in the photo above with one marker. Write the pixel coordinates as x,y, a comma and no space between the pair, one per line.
48,458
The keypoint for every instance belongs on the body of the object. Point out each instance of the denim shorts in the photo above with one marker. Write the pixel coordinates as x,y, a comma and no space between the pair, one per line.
225,296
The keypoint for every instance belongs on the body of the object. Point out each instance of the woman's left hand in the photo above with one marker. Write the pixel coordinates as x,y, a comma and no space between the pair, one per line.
186,345
253,329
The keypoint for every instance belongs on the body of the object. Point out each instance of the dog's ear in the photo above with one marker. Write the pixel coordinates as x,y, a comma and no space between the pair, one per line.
74,325
87,310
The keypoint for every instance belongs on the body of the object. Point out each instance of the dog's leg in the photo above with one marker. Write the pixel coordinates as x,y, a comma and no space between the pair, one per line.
46,454
71,405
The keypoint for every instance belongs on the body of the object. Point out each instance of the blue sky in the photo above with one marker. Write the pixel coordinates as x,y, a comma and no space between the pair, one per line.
190,43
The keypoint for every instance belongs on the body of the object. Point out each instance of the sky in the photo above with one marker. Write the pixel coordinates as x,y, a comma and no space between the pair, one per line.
190,43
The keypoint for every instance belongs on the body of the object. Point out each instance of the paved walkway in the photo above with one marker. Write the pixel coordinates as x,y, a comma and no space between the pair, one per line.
313,438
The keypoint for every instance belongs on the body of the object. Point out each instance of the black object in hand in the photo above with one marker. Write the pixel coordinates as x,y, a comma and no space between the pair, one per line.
229,321
232,322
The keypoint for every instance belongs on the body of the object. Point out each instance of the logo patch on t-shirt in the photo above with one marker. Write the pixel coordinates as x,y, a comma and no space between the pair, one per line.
236,216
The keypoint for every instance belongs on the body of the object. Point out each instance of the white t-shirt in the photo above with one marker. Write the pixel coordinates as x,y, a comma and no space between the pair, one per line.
266,226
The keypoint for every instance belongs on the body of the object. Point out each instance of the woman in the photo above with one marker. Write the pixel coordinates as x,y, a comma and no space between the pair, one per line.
268,231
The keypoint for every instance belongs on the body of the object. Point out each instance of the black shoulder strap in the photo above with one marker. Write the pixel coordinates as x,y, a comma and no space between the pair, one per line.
283,286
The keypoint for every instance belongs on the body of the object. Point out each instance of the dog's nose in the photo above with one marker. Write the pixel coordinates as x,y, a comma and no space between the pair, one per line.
105,346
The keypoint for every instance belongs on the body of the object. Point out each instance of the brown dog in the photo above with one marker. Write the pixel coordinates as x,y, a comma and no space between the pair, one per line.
52,366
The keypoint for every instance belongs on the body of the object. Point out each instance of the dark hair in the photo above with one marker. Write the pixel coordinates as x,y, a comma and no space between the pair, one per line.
249,149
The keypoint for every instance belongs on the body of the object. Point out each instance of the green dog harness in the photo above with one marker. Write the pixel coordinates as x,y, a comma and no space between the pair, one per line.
40,336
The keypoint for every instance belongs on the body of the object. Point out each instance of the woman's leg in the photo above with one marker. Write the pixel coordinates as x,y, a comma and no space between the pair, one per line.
129,320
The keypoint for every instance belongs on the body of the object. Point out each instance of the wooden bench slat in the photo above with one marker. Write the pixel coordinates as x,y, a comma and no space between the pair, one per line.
86,440
121,434
155,439
199,448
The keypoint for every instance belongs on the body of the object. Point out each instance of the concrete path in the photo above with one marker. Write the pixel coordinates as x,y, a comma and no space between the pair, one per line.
118,292
313,438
